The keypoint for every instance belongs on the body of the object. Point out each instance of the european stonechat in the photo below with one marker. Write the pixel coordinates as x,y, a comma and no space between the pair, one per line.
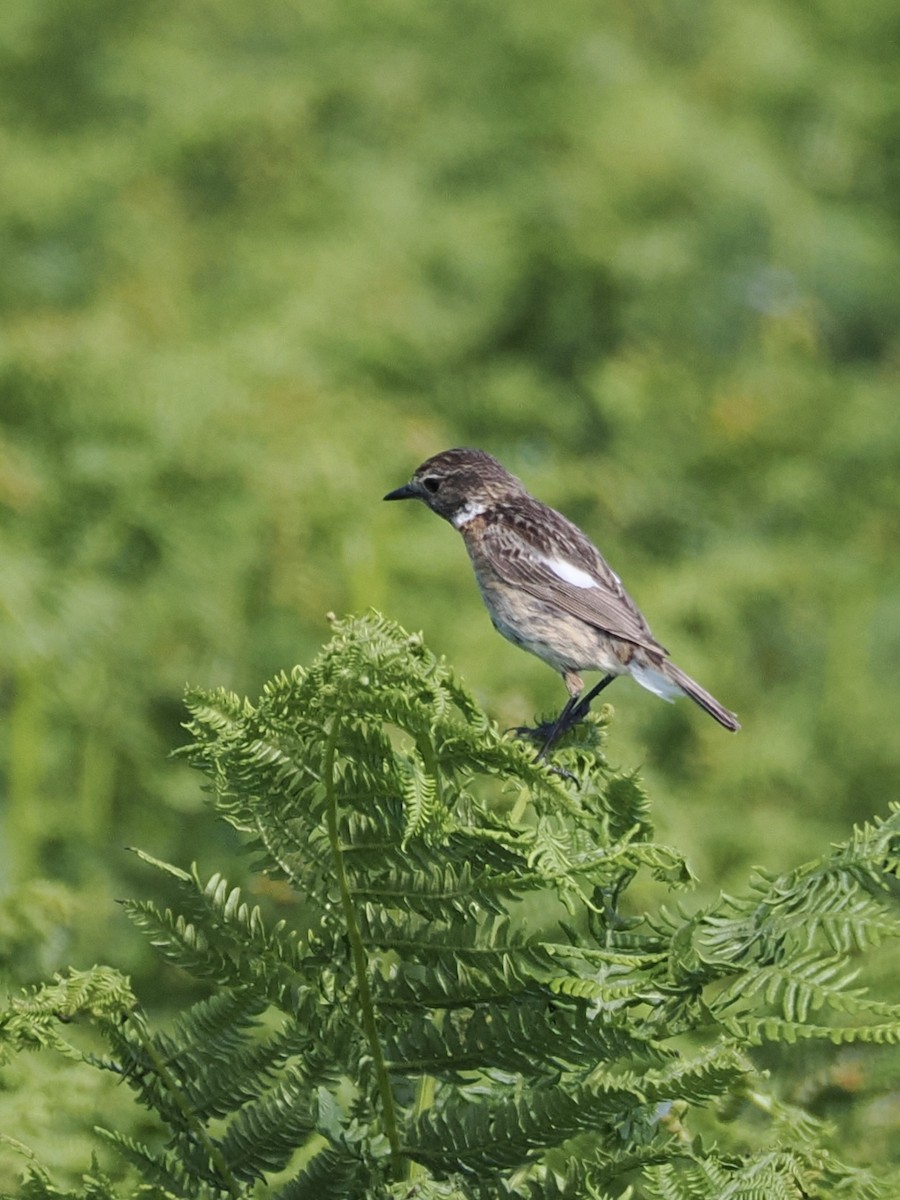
547,588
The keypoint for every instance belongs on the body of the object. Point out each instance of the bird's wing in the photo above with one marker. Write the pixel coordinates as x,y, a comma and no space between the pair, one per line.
537,549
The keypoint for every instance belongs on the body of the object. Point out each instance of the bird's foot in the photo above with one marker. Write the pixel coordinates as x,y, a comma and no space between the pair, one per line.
536,733
546,736
548,733
560,771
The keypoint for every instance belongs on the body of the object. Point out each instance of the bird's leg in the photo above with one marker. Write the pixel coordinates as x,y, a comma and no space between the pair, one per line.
575,711
584,707
552,731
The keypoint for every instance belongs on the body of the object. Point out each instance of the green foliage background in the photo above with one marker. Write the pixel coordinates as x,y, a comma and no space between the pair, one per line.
259,261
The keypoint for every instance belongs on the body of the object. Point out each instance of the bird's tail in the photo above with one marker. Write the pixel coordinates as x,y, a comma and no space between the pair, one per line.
701,696
668,681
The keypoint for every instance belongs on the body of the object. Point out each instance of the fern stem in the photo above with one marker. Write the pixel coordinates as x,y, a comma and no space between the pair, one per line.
360,963
196,1126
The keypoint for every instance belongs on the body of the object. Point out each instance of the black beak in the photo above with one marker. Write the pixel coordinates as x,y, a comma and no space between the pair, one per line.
407,492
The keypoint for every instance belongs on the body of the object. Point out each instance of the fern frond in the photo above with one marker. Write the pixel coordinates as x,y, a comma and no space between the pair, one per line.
230,1066
700,1078
161,1169
95,1184
420,792
440,889
782,1174
612,986
756,1031
264,1134
478,1136
36,1018
806,985
222,938
183,943
331,1173
418,1034
839,898
533,1036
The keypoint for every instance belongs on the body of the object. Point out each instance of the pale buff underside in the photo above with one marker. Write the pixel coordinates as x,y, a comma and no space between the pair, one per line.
564,642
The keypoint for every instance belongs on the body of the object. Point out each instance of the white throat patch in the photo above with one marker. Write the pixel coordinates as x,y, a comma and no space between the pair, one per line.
467,513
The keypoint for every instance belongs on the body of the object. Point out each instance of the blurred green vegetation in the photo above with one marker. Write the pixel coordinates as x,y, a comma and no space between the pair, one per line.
260,261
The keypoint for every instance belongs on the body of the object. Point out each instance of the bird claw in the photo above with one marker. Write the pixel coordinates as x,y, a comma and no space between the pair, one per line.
548,733
537,733
562,772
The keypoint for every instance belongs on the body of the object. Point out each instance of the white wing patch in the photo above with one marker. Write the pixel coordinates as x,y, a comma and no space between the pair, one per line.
570,573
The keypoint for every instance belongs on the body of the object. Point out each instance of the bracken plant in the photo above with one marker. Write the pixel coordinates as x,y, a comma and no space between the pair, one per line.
472,1005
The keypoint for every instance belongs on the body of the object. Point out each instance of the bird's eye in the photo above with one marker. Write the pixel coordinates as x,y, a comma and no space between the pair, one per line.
431,484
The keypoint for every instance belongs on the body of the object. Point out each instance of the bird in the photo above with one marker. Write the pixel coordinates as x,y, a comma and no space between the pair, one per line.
547,587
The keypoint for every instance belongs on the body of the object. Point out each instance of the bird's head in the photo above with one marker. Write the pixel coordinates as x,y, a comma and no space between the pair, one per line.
460,485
